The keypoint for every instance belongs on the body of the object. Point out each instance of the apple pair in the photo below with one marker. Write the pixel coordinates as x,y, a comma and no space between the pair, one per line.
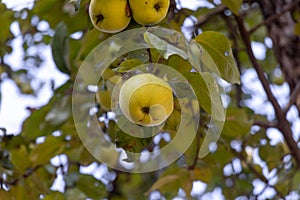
112,16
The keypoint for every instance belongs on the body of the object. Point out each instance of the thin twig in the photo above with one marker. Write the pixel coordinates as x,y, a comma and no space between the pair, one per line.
265,125
202,19
274,17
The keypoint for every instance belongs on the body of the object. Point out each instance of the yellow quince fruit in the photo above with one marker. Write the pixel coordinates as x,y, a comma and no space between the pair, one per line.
109,16
149,12
146,100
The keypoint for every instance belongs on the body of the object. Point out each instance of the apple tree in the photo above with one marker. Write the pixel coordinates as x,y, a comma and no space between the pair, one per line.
237,66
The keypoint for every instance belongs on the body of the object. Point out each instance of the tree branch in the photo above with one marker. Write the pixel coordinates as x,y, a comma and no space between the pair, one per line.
265,125
259,175
273,17
282,124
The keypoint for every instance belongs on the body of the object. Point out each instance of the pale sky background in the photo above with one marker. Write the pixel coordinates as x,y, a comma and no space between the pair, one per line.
13,105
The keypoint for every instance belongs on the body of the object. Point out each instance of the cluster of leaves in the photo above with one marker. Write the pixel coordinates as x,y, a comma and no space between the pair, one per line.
27,170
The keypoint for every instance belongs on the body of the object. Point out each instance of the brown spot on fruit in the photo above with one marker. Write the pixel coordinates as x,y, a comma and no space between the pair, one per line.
157,7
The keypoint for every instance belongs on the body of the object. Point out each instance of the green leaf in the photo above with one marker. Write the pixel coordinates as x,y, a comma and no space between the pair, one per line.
128,65
40,181
202,173
60,48
219,158
6,18
171,180
237,123
207,92
271,155
233,5
43,152
19,158
92,187
54,196
166,45
131,143
19,192
75,193
90,40
209,97
219,57
296,181
47,119
191,154
179,64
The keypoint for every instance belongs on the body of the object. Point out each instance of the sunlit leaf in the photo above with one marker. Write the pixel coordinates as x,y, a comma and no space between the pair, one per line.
219,51
179,64
165,45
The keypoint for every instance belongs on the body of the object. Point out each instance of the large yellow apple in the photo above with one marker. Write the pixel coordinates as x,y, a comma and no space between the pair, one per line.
149,12
109,16
146,99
